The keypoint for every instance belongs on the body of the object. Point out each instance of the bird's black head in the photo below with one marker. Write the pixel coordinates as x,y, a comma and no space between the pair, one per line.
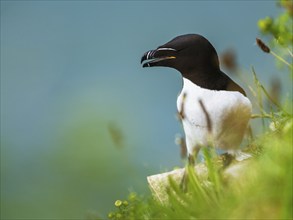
188,54
195,58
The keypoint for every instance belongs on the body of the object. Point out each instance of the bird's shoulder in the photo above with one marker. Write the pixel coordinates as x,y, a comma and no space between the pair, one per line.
213,100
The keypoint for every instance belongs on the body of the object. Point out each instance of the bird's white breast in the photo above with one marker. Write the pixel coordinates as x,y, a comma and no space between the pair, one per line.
229,113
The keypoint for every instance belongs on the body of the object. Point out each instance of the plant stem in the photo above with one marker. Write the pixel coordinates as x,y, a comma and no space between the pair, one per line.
290,52
281,59
261,116
259,96
260,86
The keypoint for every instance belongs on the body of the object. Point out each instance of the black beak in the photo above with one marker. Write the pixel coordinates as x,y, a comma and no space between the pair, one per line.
155,57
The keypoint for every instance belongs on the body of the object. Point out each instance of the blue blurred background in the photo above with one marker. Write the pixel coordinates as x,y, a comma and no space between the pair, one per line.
82,123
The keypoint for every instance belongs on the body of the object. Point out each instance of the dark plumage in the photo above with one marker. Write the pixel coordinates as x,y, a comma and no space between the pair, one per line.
196,59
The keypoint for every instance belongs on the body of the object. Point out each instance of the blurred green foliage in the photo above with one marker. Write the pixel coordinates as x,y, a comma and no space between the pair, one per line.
280,28
279,32
262,191
84,165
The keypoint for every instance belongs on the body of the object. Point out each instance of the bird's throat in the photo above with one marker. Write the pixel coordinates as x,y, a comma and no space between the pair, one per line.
213,80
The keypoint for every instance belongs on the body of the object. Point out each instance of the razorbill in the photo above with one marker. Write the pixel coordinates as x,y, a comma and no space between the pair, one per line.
213,108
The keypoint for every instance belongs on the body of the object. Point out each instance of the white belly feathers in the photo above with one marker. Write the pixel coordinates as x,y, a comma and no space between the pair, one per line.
229,113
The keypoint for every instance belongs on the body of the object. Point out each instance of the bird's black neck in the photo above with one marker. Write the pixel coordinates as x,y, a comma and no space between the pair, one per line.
214,80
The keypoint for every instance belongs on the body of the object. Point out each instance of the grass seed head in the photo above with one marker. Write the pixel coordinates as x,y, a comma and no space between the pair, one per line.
262,46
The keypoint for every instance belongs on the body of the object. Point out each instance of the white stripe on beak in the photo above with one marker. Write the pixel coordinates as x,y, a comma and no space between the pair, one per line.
165,48
147,57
